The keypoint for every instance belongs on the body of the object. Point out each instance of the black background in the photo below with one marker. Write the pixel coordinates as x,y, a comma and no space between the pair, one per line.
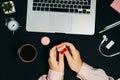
11,68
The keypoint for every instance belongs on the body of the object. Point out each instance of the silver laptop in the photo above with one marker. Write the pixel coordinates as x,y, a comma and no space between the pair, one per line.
62,16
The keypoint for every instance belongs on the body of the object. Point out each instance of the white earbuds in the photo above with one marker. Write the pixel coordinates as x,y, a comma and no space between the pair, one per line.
108,46
104,39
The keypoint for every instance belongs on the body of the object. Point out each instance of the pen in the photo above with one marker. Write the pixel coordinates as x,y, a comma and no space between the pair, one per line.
110,26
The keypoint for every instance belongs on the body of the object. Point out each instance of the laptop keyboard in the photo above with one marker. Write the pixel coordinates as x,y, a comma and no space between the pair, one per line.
68,6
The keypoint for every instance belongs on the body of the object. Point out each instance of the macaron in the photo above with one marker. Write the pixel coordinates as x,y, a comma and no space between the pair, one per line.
45,40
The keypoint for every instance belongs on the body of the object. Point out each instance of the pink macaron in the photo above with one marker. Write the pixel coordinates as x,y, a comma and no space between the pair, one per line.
45,40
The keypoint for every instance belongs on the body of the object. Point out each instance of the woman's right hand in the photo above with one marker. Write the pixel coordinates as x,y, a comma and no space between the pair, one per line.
73,57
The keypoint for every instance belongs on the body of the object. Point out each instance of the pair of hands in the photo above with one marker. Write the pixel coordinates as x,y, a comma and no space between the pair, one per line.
72,55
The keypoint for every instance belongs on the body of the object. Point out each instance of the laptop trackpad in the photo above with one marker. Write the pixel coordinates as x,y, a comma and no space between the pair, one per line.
60,23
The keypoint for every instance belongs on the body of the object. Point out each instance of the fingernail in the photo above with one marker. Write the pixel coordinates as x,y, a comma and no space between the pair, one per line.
61,52
65,49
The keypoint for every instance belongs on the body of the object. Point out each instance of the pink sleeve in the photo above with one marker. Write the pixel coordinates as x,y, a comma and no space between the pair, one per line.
89,73
52,75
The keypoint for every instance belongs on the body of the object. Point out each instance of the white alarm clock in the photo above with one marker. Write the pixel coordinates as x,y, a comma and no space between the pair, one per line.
12,24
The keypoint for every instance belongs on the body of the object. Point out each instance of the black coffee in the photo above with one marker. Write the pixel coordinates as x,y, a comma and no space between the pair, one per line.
27,53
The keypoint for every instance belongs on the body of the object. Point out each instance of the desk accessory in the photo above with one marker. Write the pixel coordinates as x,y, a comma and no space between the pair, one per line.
116,5
53,16
8,7
27,53
12,24
108,46
110,26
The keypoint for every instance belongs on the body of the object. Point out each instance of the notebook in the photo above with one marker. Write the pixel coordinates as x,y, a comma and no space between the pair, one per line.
61,16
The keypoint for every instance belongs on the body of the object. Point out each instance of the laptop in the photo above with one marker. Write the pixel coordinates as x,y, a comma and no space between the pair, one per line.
61,16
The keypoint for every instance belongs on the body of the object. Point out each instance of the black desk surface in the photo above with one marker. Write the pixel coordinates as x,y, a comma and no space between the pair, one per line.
11,68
